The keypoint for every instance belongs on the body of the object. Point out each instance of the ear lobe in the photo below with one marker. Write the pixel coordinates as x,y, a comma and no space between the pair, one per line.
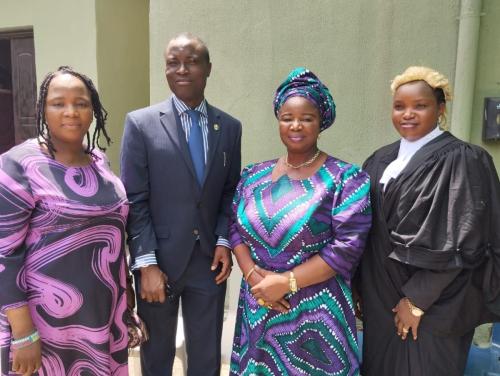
442,108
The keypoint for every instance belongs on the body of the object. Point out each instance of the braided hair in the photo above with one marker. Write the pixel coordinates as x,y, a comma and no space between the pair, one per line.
100,114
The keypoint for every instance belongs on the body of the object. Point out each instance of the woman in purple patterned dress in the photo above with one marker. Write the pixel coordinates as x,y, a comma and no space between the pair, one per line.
62,263
300,226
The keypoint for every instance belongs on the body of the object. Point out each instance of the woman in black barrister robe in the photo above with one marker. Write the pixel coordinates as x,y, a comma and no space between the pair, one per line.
430,273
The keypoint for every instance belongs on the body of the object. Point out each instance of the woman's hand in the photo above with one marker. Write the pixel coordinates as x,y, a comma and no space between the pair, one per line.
27,360
404,320
280,305
271,287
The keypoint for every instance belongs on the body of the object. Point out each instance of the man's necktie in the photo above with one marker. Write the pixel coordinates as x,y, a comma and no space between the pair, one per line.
195,144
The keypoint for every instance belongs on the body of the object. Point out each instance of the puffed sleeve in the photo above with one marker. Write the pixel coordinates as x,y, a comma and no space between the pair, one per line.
351,221
16,205
235,237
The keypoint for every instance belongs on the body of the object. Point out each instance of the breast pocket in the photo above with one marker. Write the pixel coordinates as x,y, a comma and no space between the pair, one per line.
225,159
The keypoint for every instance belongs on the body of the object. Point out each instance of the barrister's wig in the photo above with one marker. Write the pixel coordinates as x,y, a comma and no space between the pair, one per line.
304,83
437,81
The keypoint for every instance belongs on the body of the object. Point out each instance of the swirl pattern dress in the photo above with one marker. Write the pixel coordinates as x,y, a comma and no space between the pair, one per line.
284,223
62,254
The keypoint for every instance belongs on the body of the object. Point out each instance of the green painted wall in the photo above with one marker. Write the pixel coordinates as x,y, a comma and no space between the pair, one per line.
487,73
355,47
64,32
122,63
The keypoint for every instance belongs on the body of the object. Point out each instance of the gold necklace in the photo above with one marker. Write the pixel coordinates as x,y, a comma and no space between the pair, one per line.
306,163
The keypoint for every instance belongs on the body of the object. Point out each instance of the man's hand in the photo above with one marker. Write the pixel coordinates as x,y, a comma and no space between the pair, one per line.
222,255
153,282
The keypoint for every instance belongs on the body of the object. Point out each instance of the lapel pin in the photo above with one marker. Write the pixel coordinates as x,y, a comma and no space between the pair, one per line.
216,127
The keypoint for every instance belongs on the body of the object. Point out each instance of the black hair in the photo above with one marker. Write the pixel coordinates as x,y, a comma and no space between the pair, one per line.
100,114
439,94
189,36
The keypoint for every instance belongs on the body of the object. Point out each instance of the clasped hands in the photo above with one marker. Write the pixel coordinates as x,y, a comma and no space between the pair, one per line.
404,320
270,288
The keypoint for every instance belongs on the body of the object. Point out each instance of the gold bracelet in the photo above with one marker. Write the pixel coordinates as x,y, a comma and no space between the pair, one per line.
292,282
249,273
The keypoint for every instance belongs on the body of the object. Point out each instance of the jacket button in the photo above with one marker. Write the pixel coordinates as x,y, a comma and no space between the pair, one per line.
195,231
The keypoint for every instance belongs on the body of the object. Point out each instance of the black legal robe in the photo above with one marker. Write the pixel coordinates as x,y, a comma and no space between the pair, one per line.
435,238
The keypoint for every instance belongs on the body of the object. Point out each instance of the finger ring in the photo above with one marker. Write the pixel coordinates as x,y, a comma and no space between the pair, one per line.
261,302
269,305
405,331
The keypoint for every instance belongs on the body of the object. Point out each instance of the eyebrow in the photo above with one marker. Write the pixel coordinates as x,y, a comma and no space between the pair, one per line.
304,113
60,96
415,99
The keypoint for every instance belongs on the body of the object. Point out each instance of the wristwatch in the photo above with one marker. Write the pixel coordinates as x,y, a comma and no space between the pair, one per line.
415,311
293,282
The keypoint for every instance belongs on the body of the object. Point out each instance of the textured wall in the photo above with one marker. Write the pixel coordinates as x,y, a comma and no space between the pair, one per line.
487,73
64,32
122,63
355,47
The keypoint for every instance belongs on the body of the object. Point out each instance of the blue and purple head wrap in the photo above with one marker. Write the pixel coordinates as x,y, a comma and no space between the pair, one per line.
304,83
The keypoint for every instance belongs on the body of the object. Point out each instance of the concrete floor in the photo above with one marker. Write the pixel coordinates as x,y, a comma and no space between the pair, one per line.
134,366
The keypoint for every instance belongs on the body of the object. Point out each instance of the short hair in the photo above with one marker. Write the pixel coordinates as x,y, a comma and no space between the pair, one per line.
100,114
190,36
437,82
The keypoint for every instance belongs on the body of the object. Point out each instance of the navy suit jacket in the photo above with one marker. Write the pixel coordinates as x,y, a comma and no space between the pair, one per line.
168,208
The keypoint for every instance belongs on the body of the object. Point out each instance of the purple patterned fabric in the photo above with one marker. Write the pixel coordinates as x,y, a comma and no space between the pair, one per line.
62,253
284,223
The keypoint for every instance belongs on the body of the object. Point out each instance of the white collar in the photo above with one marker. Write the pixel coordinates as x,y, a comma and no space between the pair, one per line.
408,148
406,151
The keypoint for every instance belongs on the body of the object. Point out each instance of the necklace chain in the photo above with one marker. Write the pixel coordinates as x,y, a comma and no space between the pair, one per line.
306,163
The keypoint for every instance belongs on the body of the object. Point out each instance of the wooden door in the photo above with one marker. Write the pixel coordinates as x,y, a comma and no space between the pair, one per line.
7,133
23,87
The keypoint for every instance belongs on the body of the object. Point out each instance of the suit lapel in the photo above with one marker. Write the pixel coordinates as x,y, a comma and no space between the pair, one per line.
172,124
214,132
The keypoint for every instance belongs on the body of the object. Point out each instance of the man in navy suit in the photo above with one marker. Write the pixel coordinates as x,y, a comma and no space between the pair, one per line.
180,163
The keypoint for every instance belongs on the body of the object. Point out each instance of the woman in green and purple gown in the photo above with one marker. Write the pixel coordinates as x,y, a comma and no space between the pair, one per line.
300,225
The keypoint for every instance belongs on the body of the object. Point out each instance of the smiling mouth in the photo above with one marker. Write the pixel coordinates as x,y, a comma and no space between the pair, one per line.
408,125
182,82
295,138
